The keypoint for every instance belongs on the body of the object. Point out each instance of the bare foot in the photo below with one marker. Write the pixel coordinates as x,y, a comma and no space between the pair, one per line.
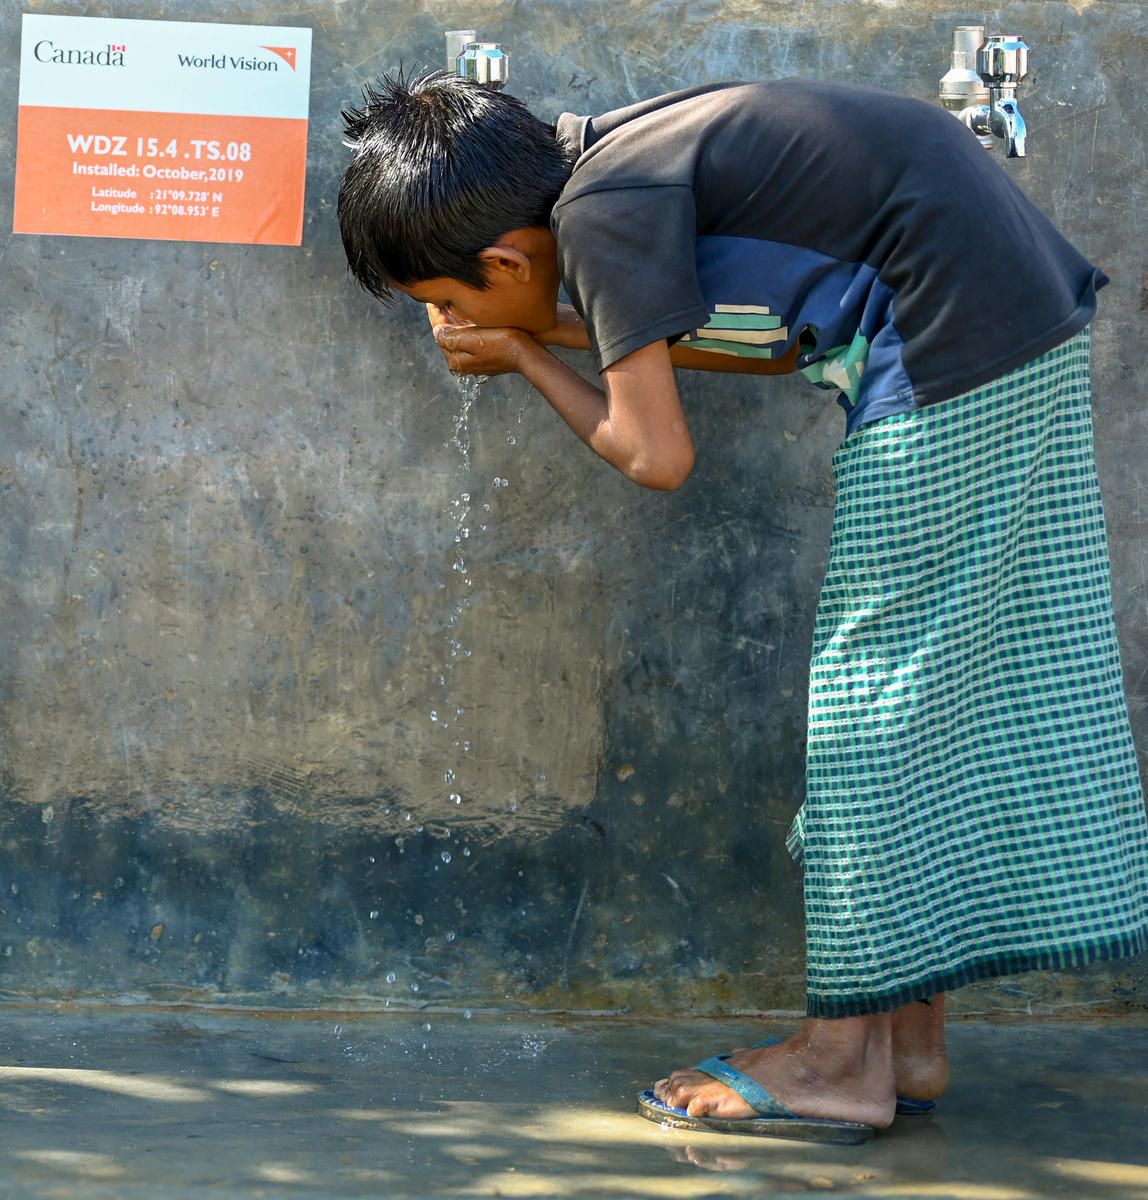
920,1060
838,1070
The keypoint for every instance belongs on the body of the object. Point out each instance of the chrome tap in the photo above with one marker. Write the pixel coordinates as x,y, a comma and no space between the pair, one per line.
484,62
981,84
1002,62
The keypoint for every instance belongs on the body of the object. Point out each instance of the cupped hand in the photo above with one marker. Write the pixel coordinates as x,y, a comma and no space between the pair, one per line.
473,350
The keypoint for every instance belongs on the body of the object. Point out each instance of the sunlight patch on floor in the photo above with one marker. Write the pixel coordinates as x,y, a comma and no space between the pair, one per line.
280,1173
1113,1174
84,1166
143,1087
954,1191
262,1087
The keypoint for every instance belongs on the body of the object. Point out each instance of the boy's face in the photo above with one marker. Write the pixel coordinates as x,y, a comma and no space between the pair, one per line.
521,292
514,303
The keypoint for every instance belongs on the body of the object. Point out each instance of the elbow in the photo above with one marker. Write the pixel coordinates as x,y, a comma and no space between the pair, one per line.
663,474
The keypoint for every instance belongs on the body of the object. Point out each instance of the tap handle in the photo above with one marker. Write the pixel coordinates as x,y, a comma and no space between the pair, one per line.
1003,59
485,62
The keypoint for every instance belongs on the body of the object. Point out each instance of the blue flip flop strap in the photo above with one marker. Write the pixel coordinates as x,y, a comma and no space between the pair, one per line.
914,1108
748,1089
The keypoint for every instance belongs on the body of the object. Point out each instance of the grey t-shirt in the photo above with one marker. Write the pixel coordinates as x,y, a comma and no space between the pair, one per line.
871,227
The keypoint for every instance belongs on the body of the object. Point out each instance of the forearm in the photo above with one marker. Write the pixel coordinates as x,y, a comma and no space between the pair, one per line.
579,403
653,454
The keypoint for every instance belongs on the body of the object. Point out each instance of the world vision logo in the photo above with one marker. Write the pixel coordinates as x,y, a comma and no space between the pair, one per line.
286,53
237,62
46,51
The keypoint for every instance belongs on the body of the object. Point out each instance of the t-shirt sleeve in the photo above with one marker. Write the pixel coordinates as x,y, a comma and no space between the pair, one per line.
627,258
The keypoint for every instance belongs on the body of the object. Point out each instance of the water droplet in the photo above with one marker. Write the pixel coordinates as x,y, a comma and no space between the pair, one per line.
434,715
445,856
448,777
456,797
469,385
511,439
374,914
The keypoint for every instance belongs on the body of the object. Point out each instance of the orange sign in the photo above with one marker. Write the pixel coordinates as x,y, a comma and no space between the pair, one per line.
150,164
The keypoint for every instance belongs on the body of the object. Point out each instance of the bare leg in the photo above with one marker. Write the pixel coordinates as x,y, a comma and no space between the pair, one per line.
841,1070
920,1060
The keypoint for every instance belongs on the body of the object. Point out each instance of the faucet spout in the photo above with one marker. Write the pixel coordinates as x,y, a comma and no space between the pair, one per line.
1006,123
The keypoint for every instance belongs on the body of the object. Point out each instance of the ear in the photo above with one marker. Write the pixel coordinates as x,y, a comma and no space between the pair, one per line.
506,255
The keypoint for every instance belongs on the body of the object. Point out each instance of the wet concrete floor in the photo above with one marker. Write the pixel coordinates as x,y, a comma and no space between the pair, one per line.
104,1103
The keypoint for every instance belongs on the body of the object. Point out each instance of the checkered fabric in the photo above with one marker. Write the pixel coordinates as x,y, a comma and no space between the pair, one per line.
973,804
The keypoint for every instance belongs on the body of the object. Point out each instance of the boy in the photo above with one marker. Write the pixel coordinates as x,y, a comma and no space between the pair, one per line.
973,805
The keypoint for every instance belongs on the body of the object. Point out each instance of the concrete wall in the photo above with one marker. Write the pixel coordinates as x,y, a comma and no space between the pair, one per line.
316,689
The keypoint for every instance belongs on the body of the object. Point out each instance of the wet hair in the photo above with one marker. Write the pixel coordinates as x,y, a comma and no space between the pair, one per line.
442,168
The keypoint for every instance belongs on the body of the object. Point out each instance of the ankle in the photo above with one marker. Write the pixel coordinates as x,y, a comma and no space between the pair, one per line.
848,1047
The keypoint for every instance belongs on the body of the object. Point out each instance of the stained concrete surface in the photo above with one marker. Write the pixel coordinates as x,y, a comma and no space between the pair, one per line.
265,590
103,1103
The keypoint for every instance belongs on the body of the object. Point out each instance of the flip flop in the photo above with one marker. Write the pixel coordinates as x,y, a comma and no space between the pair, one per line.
775,1120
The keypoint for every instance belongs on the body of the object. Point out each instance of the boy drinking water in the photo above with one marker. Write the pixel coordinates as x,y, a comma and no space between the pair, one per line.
973,805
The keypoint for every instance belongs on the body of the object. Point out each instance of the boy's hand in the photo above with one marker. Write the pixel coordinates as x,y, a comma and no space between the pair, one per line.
471,350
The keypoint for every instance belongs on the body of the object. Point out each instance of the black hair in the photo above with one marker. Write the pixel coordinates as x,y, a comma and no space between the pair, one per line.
442,168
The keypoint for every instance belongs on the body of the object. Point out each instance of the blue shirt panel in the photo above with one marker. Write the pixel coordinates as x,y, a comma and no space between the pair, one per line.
838,311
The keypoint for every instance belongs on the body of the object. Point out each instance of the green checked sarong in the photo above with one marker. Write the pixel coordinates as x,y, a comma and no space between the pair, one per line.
973,805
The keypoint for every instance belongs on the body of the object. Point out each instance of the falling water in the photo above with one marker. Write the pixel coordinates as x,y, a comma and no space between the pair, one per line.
468,513
448,712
